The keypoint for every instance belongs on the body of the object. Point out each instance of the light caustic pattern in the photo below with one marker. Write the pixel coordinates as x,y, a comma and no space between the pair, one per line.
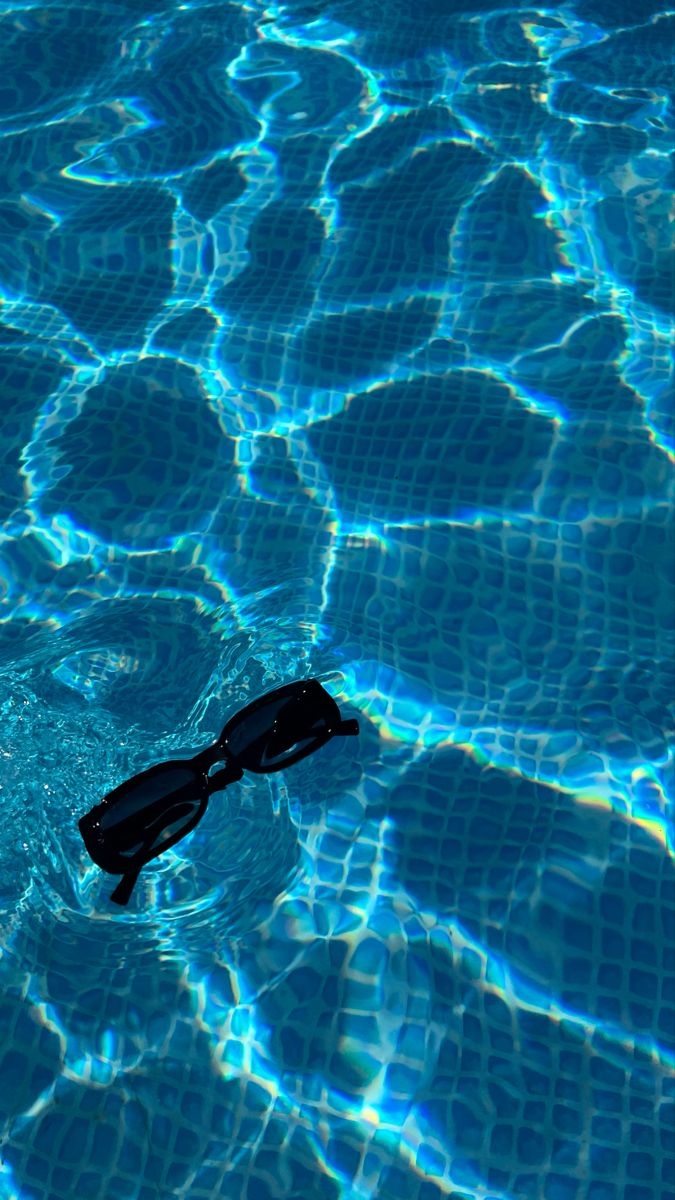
334,341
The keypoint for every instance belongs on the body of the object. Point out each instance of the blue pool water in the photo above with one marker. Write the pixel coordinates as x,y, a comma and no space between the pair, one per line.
335,341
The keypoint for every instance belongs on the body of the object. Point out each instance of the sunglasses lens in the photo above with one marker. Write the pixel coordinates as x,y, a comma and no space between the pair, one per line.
287,726
144,794
177,819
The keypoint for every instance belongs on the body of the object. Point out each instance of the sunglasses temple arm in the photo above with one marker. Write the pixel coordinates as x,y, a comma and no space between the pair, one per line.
347,728
125,887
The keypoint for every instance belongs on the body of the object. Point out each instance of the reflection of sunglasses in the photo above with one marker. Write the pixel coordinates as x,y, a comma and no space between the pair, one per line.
152,811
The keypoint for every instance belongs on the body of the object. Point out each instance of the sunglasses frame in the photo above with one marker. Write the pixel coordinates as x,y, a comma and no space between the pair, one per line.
98,842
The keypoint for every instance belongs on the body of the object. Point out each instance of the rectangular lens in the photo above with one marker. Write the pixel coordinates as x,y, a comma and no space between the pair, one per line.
281,728
250,727
147,795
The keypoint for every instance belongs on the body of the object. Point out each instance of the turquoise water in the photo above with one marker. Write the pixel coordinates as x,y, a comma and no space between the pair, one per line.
335,340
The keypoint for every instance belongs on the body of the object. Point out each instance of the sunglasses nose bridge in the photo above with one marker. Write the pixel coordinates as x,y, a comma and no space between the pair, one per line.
204,760
218,752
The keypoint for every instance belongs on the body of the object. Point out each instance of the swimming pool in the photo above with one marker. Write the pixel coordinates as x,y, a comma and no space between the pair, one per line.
335,341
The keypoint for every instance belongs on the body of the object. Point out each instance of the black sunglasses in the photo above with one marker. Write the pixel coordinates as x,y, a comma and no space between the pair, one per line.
152,811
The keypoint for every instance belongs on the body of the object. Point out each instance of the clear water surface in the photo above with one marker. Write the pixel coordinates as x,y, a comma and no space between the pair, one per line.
335,341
